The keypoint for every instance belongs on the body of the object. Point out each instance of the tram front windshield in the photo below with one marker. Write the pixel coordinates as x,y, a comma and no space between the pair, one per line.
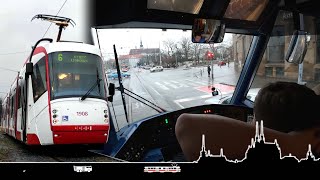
72,74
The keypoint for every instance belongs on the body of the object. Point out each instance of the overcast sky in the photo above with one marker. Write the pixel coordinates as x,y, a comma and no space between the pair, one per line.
18,33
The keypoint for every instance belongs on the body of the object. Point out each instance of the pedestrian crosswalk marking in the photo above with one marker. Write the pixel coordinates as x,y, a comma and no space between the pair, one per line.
174,84
162,86
170,84
199,85
198,82
180,85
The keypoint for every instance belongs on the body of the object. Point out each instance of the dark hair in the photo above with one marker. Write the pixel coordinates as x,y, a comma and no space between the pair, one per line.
197,34
287,106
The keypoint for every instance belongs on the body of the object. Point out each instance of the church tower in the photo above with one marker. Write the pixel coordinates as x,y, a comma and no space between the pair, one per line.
141,45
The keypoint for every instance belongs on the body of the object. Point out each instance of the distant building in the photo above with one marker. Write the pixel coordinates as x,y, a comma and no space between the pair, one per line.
125,60
135,55
144,51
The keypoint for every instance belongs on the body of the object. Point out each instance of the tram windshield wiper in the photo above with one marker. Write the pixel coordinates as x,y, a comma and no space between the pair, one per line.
98,78
89,91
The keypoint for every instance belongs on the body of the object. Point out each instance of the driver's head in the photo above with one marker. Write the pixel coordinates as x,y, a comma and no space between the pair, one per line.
287,106
197,37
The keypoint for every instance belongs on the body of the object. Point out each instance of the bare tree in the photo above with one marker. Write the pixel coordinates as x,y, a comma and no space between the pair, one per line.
1,107
199,51
186,47
170,46
196,51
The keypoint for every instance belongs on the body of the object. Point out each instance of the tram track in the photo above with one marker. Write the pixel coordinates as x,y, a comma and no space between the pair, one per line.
12,150
73,153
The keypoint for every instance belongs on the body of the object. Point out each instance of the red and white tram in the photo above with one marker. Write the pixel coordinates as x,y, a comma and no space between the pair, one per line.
63,101
162,169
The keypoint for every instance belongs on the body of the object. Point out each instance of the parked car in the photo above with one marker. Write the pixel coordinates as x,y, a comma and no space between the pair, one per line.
124,69
221,63
226,98
156,69
146,67
186,67
114,75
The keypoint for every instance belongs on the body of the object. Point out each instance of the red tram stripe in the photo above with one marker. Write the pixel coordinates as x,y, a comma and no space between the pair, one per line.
32,139
95,137
18,135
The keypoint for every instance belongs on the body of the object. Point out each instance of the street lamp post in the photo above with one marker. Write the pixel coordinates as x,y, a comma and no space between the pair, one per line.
160,54
210,57
160,59
176,59
212,68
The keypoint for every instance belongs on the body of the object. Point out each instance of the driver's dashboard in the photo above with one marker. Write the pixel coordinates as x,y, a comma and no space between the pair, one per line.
153,139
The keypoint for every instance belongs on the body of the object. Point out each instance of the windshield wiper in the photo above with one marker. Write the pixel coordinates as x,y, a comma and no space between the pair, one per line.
98,78
145,102
89,91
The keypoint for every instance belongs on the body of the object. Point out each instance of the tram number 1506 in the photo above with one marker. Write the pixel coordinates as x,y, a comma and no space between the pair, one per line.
82,113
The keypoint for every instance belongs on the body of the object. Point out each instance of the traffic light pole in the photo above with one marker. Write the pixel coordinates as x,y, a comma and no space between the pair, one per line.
212,69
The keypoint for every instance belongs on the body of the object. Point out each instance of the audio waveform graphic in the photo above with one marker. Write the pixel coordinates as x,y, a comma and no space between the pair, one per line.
258,139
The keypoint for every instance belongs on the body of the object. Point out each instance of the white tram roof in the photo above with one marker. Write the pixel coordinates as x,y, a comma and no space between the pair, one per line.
70,46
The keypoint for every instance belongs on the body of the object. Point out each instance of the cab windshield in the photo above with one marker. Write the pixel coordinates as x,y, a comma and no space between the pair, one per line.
73,73
167,69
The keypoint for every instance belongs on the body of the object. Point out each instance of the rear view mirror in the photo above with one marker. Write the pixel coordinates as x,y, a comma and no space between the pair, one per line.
111,90
208,31
29,68
297,48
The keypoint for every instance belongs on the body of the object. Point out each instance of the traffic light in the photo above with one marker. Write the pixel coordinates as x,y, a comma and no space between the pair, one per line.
210,55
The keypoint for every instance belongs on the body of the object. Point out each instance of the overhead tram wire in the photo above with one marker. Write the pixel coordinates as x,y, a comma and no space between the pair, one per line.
13,53
9,69
56,15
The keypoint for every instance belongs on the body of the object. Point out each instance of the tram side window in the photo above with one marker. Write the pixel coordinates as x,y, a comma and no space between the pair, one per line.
39,79
3,110
11,106
1,114
19,97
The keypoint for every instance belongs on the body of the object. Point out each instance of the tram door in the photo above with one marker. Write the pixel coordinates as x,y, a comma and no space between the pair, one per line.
19,111
23,109
30,104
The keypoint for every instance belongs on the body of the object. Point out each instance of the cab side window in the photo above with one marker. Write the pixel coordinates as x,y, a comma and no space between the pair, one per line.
39,79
